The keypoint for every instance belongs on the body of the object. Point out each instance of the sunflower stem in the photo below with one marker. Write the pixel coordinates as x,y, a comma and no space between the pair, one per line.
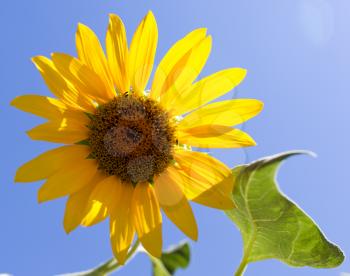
112,264
109,266
242,267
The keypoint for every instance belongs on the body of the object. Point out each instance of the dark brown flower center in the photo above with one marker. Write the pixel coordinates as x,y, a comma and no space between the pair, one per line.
131,137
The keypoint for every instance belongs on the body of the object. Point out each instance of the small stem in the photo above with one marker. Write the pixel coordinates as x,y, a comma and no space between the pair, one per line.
109,266
244,262
112,264
242,267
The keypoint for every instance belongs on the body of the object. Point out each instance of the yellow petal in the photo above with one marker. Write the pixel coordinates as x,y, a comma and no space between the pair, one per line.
175,205
48,163
173,56
70,179
224,113
118,53
186,71
142,51
46,107
213,136
214,197
96,213
122,230
91,53
147,218
60,87
206,90
107,191
65,130
82,78
202,164
204,179
42,106
77,206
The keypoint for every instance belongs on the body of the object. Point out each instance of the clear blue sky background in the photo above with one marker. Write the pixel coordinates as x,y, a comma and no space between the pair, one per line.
297,53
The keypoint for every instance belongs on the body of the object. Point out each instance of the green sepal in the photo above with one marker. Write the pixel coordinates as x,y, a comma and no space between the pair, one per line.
91,156
90,116
100,107
85,142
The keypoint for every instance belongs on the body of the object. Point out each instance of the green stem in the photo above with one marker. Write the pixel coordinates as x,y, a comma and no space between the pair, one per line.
109,266
242,267
244,262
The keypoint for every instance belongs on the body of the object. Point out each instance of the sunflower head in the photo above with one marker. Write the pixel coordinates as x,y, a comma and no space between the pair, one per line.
132,138
127,152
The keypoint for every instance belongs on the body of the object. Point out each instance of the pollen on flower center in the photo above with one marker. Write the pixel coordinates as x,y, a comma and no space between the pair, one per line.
131,137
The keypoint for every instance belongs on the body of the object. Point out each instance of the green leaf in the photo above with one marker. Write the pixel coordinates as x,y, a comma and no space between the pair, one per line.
170,261
272,226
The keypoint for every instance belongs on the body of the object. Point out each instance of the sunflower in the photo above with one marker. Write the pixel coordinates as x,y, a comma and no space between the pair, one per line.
127,151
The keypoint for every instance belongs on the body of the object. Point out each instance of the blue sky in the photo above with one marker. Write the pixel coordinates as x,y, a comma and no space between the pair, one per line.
297,53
